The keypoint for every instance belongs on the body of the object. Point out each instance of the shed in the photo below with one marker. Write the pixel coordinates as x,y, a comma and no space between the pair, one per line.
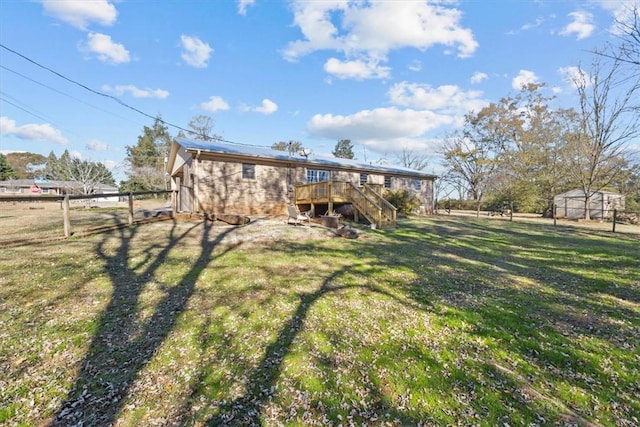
571,204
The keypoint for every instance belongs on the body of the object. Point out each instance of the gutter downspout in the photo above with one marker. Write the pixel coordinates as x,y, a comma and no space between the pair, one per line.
196,182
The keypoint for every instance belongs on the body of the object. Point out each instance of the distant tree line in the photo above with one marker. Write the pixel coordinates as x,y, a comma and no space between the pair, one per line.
522,150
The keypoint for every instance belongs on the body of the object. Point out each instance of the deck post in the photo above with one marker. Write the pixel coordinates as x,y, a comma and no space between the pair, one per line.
66,218
329,197
130,208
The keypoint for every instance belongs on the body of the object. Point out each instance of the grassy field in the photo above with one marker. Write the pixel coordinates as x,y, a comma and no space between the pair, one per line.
444,321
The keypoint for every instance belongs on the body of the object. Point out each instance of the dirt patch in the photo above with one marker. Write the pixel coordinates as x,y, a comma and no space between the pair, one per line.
265,229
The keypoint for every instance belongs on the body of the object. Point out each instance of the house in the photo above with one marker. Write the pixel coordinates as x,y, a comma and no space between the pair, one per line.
45,187
220,177
571,204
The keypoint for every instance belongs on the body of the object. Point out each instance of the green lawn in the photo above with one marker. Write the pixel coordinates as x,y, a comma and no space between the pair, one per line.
446,320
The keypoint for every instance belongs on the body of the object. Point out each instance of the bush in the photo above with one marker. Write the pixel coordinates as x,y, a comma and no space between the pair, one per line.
403,200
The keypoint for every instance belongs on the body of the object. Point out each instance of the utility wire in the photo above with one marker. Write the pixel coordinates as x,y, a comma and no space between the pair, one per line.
30,110
66,94
4,96
105,95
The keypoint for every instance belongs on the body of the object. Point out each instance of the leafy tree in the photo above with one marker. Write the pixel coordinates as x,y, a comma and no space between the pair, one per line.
202,128
26,165
343,149
412,160
291,146
6,172
146,159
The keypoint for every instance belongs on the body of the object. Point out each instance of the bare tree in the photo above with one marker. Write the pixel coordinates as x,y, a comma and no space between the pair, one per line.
597,144
471,162
202,128
412,160
88,175
628,29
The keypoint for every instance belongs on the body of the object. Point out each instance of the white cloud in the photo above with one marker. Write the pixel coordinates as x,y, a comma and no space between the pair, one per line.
381,123
573,76
478,77
622,11
195,52
524,78
81,13
358,70
106,49
415,66
111,164
372,29
581,25
32,132
267,107
96,145
531,25
136,92
243,4
215,103
447,98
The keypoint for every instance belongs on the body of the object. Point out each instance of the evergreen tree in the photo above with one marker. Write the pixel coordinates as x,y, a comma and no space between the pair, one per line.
146,159
6,172
52,164
343,149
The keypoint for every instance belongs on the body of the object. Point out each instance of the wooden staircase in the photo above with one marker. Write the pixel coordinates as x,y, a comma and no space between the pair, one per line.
366,200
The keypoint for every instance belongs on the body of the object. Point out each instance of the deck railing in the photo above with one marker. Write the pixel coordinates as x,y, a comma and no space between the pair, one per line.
389,212
366,200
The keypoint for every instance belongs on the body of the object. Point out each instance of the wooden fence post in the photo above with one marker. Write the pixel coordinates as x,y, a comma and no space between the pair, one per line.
130,208
555,214
615,217
66,216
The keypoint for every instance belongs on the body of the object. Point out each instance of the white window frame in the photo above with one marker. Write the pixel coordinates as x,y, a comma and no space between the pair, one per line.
317,175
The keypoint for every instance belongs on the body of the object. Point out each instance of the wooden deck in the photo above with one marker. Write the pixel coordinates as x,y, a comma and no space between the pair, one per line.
367,200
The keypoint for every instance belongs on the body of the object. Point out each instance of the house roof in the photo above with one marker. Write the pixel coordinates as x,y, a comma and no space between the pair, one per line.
46,183
577,192
284,156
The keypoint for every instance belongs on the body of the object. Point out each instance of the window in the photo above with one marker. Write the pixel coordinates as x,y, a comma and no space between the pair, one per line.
364,177
15,190
248,171
417,184
317,175
387,181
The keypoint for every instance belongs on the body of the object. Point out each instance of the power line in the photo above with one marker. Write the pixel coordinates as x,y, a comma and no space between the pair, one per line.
30,110
105,95
66,94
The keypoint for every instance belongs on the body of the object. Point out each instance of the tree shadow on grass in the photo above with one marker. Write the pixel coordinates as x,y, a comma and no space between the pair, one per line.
246,410
123,345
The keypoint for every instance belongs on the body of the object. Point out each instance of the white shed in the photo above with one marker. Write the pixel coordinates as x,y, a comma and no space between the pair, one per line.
570,204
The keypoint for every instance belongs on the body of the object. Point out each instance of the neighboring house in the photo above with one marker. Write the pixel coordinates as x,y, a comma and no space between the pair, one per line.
218,177
43,187
571,204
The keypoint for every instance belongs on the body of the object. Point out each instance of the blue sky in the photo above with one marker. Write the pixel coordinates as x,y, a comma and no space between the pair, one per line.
388,75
